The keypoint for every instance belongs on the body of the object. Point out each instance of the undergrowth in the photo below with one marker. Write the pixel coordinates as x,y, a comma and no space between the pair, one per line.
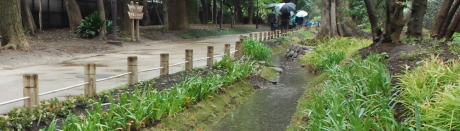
433,86
331,51
356,96
257,50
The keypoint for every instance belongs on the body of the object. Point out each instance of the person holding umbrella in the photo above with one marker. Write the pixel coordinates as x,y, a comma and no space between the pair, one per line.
285,10
272,19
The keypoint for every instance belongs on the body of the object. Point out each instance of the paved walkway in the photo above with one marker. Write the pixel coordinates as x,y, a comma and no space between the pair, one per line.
63,74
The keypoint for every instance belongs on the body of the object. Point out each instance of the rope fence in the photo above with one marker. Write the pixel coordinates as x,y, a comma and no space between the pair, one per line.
31,93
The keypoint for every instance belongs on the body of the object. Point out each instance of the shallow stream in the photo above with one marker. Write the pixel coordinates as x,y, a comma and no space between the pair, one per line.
270,109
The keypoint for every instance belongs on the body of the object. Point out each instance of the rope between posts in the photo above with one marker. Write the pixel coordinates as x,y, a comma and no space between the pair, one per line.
65,88
150,69
178,63
108,78
201,59
15,100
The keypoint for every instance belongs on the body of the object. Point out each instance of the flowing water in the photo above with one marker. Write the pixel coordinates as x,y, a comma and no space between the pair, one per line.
270,109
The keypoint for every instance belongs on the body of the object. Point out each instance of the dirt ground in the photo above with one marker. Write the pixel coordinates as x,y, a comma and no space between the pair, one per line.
57,45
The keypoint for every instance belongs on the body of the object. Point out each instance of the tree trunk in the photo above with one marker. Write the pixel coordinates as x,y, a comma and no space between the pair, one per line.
238,11
73,11
214,11
11,26
179,21
345,24
146,19
335,21
193,11
165,15
101,12
416,19
448,19
204,4
453,26
440,17
394,23
27,19
40,15
376,31
251,12
127,26
325,20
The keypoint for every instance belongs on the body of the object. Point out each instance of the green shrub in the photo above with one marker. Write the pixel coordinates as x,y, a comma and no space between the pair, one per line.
331,51
91,26
355,97
435,87
257,50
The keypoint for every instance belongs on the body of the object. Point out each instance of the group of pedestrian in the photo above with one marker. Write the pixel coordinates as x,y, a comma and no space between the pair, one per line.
285,19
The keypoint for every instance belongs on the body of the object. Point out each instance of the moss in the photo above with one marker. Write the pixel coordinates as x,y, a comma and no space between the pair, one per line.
268,74
208,112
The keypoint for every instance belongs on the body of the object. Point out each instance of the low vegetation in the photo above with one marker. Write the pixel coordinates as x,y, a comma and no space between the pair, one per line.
91,26
257,50
430,92
331,51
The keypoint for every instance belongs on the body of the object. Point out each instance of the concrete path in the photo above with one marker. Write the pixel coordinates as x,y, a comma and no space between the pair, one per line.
67,73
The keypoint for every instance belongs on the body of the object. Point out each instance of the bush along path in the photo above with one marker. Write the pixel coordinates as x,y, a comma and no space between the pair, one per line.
377,93
146,104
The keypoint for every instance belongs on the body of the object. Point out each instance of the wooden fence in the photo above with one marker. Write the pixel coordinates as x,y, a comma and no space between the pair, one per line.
31,93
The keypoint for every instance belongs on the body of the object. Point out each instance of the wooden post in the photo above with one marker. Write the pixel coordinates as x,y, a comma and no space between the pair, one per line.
273,35
90,77
164,62
30,90
227,50
239,52
189,59
250,36
260,36
132,25
255,37
137,26
278,32
211,56
132,67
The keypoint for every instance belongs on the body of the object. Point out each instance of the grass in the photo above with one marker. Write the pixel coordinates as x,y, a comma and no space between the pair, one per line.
356,96
331,51
199,33
257,50
268,73
434,87
207,112
140,108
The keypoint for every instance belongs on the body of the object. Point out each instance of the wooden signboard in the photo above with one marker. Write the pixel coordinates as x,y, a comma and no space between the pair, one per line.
135,11
135,14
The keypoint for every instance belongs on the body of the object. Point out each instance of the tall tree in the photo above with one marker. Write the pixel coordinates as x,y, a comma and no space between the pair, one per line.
376,31
335,21
146,19
11,26
193,12
441,17
251,11
101,11
179,21
394,22
204,4
74,14
165,15
27,19
214,11
448,20
415,25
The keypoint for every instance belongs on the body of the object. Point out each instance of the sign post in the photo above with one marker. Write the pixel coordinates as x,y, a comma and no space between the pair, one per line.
135,14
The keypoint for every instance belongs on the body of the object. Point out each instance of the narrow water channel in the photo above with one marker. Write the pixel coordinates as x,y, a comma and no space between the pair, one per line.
270,109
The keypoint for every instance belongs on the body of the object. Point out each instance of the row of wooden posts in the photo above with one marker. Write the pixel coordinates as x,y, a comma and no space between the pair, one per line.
31,93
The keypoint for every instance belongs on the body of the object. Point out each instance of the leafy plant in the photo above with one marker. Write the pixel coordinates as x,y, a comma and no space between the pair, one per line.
356,96
257,50
434,86
91,26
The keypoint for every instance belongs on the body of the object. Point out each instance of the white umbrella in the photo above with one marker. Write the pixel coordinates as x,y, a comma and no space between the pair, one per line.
278,7
301,13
